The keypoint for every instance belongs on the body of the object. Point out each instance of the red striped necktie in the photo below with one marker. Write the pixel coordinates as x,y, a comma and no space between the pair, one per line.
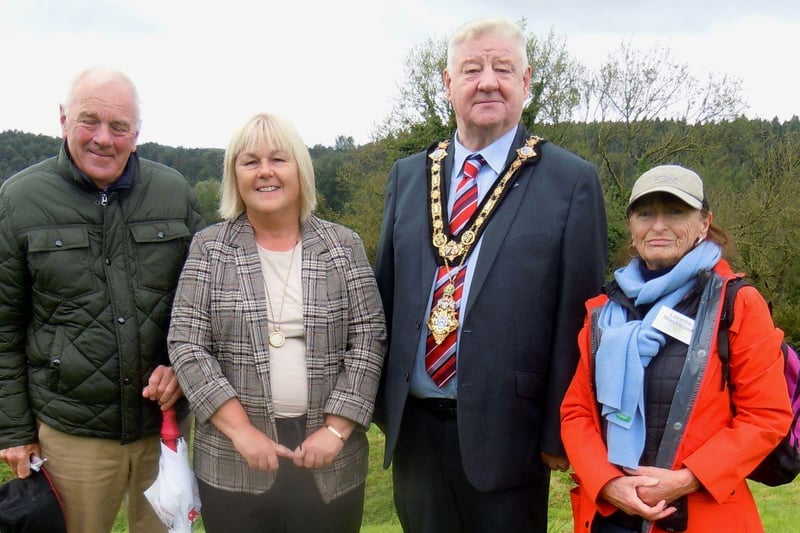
440,359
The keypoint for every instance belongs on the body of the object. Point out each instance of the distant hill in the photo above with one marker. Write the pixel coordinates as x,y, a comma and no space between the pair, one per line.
19,150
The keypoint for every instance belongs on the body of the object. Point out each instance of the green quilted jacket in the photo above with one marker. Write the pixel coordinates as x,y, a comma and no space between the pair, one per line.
87,280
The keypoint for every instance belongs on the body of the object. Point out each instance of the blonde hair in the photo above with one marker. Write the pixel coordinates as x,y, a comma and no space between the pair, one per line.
264,129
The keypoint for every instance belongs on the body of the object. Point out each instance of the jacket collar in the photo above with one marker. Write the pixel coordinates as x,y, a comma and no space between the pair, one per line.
242,235
71,173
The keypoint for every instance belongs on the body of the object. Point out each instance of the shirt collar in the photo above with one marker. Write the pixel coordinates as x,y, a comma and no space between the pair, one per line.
495,154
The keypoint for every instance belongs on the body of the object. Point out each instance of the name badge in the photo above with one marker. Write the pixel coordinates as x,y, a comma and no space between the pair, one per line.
674,324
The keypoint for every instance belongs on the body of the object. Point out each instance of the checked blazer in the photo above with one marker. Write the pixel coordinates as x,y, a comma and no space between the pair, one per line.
218,344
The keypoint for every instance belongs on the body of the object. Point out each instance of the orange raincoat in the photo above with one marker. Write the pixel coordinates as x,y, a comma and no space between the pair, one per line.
719,447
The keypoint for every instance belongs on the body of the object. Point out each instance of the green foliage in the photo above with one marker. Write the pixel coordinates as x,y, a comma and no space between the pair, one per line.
421,99
332,191
751,169
422,113
207,193
196,164
642,109
19,150
366,175
556,79
763,214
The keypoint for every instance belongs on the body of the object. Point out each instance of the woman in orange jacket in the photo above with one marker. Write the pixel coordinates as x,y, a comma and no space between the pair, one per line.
659,439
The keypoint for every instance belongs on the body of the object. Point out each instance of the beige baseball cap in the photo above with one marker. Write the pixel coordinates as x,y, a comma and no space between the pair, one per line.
673,179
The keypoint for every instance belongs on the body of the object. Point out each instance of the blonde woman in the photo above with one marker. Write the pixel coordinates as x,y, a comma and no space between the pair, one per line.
277,339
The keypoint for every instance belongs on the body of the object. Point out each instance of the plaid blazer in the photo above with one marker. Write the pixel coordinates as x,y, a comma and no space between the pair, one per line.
218,345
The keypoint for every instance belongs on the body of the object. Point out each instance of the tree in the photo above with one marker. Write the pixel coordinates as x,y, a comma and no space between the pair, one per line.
423,111
642,106
422,104
344,144
207,193
556,81
763,217
642,109
332,192
19,150
366,174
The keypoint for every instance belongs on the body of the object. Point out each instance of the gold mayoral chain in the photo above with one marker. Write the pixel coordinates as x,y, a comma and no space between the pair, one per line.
276,337
443,319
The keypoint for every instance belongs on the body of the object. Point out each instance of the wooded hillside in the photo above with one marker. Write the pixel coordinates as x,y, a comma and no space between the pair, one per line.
751,169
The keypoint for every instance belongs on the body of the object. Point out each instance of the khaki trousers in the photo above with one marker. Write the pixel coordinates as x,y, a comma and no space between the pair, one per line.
94,477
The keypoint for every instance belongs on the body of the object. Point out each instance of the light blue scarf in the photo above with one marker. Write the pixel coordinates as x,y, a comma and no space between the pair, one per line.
627,346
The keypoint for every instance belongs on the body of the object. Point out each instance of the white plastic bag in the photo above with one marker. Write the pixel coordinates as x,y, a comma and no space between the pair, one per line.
174,495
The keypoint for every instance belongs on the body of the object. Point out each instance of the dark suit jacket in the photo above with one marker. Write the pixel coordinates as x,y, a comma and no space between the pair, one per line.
543,255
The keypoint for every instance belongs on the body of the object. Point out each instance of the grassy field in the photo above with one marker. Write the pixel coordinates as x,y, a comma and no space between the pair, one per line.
778,505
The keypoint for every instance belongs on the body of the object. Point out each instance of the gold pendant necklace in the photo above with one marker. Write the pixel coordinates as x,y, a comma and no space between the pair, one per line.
276,337
450,247
444,318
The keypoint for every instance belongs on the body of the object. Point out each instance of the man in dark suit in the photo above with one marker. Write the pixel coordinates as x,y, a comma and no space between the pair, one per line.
490,244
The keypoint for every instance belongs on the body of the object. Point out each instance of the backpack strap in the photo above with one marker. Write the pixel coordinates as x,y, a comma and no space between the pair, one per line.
725,321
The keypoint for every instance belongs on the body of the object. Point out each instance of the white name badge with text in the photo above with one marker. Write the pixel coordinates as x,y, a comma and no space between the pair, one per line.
674,324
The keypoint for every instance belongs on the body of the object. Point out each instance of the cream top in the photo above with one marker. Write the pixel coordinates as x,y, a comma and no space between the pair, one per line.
287,364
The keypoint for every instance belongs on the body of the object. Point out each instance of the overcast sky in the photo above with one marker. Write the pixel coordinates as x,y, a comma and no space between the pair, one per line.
333,67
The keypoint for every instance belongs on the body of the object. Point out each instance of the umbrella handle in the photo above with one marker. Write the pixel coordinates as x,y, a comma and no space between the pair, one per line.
170,432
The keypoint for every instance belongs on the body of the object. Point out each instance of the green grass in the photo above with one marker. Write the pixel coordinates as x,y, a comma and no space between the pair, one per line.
778,505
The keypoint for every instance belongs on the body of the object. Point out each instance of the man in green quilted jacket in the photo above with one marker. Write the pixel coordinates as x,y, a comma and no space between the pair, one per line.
91,245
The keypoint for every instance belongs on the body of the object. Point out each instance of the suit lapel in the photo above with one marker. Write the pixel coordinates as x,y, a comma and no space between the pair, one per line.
316,318
501,222
251,289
